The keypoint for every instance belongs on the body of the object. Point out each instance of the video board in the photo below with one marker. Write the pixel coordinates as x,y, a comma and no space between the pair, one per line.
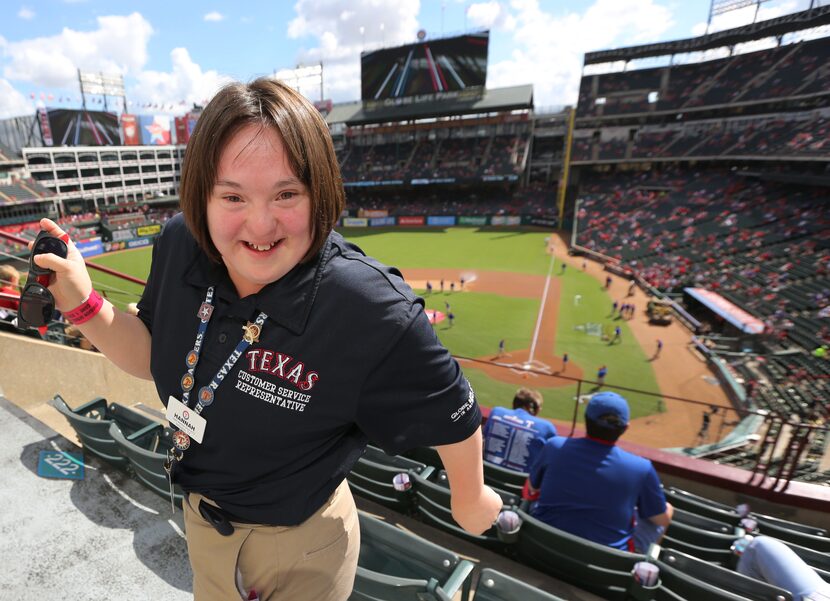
429,69
79,128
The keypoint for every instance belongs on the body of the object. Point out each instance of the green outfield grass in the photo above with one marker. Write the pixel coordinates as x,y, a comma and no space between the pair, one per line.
482,319
132,262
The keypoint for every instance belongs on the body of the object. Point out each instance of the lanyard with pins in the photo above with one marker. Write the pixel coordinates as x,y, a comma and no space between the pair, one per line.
250,335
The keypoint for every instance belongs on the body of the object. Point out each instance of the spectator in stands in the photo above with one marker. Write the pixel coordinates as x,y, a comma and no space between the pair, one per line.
509,434
9,284
770,560
253,271
592,488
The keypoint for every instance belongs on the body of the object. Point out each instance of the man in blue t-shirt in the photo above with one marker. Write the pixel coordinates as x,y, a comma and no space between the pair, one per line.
513,436
593,489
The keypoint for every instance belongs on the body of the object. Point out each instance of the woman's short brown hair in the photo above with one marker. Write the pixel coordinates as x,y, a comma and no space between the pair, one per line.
305,136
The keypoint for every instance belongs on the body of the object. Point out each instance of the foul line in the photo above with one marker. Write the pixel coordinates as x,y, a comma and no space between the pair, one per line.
541,311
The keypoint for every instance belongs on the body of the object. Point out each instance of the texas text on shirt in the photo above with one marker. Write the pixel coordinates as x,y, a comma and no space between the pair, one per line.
391,382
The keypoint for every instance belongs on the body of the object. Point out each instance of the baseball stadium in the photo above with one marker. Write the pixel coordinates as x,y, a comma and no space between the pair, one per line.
667,238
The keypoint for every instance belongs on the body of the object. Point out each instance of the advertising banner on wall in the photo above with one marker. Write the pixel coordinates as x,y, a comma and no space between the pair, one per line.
372,213
540,221
45,129
441,220
90,247
155,129
125,234
148,230
414,220
139,243
505,220
380,221
129,130
182,135
355,222
473,220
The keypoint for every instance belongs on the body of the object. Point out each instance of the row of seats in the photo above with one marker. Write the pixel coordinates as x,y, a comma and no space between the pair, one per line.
697,543
393,564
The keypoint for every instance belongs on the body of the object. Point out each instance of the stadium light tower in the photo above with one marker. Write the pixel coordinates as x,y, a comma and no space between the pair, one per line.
720,7
103,85
301,77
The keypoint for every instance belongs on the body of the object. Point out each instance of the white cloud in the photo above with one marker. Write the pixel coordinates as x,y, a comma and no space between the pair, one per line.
548,49
214,16
12,102
341,30
26,13
490,15
187,81
118,45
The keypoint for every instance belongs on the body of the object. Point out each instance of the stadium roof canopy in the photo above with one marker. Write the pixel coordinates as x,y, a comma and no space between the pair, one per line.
493,101
805,19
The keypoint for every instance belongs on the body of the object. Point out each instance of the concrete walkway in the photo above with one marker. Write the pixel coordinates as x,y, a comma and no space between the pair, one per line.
103,537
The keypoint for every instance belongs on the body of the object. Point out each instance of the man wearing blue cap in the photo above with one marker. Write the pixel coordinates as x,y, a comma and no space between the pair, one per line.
594,489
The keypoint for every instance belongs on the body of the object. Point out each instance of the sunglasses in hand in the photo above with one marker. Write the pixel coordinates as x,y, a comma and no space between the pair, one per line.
36,302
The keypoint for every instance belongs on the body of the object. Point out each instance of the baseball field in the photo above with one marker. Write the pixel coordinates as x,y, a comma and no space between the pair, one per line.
515,289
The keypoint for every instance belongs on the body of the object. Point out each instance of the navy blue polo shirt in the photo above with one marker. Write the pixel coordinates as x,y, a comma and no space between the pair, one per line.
347,355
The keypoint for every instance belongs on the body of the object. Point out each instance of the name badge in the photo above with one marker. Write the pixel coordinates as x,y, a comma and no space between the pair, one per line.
186,419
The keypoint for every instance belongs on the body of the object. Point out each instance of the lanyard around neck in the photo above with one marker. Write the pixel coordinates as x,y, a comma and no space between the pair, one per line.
206,393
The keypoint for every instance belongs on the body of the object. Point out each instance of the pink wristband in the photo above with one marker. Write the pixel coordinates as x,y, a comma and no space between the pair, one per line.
86,310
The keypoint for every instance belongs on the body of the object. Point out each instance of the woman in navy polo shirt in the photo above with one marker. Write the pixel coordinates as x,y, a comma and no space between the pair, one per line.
279,350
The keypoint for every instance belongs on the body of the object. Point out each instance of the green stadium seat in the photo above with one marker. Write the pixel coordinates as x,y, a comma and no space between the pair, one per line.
371,478
693,579
433,507
396,565
793,532
426,455
495,586
701,506
703,544
817,560
503,478
92,420
588,565
682,516
146,454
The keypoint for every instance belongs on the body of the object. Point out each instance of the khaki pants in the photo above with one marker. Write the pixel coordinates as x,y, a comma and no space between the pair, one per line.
315,561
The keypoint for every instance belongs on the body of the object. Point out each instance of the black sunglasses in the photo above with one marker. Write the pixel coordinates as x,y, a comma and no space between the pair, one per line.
36,302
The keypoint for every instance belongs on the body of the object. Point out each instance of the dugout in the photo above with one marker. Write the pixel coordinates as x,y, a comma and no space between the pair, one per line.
737,330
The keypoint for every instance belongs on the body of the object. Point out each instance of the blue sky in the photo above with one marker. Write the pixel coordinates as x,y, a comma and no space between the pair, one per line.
177,52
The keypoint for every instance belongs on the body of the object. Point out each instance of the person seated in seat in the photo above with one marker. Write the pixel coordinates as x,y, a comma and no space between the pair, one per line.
9,284
513,436
592,488
769,560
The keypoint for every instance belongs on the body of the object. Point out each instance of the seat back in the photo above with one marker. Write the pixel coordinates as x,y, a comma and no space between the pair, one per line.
398,565
703,544
793,532
427,455
92,421
677,586
496,586
146,455
701,506
503,478
588,565
371,478
681,516
718,577
434,508
817,560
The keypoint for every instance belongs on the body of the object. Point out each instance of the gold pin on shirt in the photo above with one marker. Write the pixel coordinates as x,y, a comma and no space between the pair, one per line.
251,332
